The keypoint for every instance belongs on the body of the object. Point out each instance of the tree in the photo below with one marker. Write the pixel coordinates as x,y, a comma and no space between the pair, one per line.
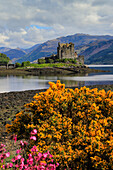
17,65
25,63
4,59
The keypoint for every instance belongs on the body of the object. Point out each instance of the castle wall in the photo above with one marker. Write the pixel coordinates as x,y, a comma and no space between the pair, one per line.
80,59
65,51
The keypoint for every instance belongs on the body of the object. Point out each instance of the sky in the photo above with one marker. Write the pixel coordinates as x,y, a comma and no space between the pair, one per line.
24,23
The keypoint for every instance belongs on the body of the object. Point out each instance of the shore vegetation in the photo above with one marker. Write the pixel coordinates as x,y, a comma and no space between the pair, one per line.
50,63
35,65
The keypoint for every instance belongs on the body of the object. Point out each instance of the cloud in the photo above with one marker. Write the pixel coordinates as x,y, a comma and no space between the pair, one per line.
25,23
102,2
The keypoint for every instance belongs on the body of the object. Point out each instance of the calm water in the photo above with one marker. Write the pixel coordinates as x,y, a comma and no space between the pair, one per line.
21,83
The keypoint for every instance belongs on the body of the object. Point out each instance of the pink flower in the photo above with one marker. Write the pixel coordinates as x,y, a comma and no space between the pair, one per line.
13,160
34,132
51,160
30,161
33,137
15,138
22,163
2,145
7,154
18,157
39,155
25,143
52,165
22,160
50,156
4,149
17,166
30,155
10,165
21,143
18,151
45,155
43,163
34,149
3,166
42,167
57,164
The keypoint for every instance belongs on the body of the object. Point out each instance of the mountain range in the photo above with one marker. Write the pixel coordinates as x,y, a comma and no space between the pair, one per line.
96,49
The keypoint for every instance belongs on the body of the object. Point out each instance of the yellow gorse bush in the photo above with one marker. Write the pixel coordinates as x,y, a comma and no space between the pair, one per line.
76,126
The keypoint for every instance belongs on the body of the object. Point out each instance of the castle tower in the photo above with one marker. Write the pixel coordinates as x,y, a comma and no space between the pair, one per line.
65,50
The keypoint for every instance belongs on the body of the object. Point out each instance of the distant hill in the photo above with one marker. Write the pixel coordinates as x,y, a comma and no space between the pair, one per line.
50,47
14,54
4,49
98,52
28,50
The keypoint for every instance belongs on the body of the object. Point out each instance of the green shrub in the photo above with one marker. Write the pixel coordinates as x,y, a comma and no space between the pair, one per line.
50,61
65,60
17,65
74,61
41,61
25,63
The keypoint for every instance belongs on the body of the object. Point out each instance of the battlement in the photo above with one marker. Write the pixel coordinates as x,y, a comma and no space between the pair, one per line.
65,45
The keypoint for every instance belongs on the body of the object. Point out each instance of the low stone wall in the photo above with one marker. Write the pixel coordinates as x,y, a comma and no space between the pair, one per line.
7,65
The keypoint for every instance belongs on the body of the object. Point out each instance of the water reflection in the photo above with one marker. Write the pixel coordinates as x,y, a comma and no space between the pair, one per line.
20,83
28,82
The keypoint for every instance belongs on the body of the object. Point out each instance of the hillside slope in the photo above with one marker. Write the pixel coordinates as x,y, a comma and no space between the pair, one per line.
4,49
13,54
99,52
28,50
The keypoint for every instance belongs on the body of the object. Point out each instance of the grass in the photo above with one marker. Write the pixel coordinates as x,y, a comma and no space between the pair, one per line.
48,65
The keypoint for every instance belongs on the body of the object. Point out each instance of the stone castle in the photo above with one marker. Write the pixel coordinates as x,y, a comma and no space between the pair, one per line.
66,51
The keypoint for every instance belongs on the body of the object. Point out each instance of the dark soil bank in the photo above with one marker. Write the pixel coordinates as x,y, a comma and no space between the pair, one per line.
48,71
11,103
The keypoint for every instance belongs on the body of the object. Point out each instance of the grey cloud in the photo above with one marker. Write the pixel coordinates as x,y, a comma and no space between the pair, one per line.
63,16
102,2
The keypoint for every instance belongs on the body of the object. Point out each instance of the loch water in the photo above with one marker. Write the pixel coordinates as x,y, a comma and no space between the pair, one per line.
21,83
